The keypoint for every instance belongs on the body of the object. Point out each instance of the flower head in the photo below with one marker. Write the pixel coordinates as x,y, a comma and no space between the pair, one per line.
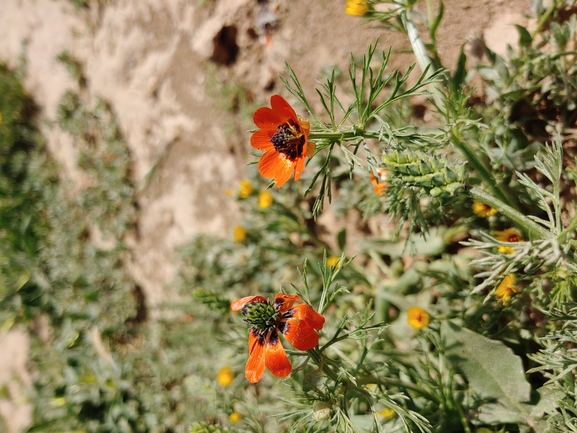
356,8
332,261
264,199
418,318
297,323
234,417
283,136
245,189
379,181
505,289
386,413
483,210
508,235
225,376
239,234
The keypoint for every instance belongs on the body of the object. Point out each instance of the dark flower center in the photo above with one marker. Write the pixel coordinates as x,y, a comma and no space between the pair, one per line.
514,238
289,140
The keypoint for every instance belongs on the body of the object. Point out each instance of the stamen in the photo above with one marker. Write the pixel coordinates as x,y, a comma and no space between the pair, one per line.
273,340
283,327
289,140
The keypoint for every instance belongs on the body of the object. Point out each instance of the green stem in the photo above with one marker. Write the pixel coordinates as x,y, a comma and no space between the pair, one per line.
347,135
425,62
482,169
317,356
400,384
534,230
543,19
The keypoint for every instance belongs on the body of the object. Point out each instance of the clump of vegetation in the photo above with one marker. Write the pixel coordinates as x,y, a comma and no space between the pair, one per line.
441,257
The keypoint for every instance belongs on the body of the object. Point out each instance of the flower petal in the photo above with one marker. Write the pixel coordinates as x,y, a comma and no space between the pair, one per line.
267,119
275,165
256,360
239,303
275,357
282,107
300,334
299,165
306,313
310,149
285,302
261,140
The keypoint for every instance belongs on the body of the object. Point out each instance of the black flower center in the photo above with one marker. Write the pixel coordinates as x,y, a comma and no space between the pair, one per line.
289,140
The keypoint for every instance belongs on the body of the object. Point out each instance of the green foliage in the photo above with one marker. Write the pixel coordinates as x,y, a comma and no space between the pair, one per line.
434,322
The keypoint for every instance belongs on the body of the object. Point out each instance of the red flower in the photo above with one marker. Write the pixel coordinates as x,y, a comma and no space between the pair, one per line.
284,138
379,184
298,324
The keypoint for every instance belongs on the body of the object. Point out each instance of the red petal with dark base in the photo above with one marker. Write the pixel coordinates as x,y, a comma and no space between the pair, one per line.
239,303
301,335
286,301
256,360
306,313
276,359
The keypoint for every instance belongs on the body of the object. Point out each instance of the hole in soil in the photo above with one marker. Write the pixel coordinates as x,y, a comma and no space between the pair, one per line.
225,48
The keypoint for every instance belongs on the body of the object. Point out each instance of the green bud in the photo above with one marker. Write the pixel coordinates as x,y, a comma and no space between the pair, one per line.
322,411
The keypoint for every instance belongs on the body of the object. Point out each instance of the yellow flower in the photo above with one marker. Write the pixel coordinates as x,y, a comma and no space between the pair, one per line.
264,199
239,234
225,376
356,8
234,417
505,289
483,210
332,261
245,189
387,413
417,317
507,235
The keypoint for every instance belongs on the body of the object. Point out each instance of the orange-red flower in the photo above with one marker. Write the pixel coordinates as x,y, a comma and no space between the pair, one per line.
379,184
298,324
283,136
418,318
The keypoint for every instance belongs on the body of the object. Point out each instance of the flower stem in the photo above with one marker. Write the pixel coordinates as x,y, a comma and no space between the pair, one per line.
400,384
481,168
317,356
534,230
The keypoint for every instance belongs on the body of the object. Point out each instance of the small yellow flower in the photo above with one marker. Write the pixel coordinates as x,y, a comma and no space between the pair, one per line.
483,210
234,417
332,261
386,413
245,189
356,8
508,235
225,376
264,199
239,234
417,317
505,289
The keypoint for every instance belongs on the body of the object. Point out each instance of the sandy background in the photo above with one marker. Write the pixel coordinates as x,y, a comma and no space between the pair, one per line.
151,59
